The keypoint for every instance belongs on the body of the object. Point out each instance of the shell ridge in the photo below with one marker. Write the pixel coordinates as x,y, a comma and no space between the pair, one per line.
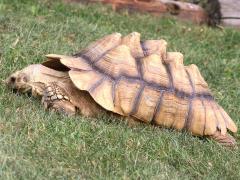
114,84
205,119
139,63
188,119
157,108
101,71
219,128
137,100
230,123
144,49
226,123
174,118
170,77
98,83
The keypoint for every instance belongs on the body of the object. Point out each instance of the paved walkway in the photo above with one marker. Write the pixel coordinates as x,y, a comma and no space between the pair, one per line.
230,8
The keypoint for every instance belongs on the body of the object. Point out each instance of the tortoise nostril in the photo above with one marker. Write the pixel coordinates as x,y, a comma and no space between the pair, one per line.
25,79
12,79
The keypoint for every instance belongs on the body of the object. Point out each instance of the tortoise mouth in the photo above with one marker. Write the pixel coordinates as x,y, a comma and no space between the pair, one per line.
18,82
26,90
17,88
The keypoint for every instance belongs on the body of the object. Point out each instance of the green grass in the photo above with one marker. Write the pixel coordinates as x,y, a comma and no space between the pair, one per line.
35,144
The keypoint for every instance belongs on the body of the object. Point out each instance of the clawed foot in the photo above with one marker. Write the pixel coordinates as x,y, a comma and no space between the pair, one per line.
56,99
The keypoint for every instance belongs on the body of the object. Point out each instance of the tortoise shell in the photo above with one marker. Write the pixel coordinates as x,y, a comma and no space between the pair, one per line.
141,79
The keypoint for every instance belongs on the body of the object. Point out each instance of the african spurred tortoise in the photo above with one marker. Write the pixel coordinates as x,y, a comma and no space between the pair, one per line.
136,79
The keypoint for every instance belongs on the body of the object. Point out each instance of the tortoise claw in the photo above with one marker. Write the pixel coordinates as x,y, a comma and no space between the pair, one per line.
55,100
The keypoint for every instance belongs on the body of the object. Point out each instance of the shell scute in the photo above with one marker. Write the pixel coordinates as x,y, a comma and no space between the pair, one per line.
132,40
173,111
118,61
148,101
182,110
103,94
154,70
199,83
180,77
126,93
229,123
221,122
158,47
174,56
198,119
167,112
211,121
85,80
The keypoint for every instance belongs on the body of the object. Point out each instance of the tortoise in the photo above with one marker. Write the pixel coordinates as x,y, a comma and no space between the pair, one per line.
138,80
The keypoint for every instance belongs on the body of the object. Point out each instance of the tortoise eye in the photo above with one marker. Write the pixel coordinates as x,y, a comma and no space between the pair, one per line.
12,79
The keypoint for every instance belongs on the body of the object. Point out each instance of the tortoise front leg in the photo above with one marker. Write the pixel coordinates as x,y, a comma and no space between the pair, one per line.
65,98
56,99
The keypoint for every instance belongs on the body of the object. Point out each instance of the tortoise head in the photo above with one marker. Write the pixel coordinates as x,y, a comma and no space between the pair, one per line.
34,78
27,80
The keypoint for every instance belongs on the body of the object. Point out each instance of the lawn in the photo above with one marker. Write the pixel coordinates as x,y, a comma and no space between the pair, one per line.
35,144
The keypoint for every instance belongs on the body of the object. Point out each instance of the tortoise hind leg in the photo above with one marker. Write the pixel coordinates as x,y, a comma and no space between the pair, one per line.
226,140
55,98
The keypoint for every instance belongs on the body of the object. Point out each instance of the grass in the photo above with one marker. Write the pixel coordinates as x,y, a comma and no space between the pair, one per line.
35,144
